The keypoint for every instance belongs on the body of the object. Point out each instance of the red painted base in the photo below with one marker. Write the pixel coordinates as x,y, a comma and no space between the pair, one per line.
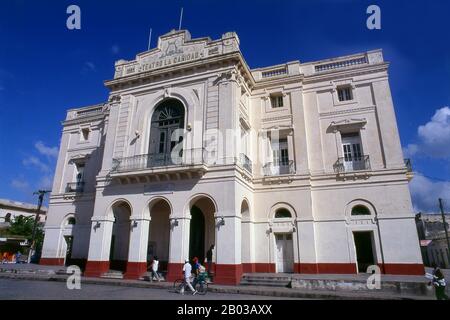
174,271
52,261
404,269
228,274
135,270
96,268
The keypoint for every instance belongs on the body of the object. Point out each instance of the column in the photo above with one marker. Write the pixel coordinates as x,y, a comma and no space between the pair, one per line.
290,141
99,246
179,246
51,254
307,261
228,250
137,252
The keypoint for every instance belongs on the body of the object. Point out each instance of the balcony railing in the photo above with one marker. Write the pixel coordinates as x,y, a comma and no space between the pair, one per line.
151,161
246,162
77,187
408,165
350,165
271,169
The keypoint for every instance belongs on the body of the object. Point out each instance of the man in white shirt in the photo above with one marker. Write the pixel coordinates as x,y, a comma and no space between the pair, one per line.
187,272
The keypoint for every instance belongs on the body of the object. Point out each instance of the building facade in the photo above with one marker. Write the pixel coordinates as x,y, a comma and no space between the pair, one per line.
9,210
433,241
296,167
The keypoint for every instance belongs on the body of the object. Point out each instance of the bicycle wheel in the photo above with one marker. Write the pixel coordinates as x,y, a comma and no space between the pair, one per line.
177,285
202,287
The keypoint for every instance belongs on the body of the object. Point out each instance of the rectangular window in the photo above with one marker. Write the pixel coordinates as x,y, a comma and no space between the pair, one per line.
345,93
276,101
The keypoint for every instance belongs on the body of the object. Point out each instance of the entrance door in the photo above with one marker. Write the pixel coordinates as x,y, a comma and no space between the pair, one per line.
284,252
280,157
364,250
197,235
352,150
69,245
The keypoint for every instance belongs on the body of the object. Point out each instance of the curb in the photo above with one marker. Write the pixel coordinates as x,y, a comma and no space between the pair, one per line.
261,291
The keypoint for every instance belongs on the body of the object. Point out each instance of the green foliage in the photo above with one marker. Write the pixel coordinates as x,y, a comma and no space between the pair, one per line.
23,226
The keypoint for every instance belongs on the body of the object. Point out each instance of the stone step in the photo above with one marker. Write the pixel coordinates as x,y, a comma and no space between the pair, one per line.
112,275
397,287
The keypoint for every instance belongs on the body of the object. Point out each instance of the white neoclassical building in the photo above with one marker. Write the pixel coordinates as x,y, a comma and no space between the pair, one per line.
296,167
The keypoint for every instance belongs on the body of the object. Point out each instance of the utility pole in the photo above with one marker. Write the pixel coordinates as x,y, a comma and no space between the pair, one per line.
441,206
41,194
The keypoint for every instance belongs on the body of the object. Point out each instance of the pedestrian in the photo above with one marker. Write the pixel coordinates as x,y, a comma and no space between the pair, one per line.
5,257
195,268
439,283
210,255
18,257
187,274
155,266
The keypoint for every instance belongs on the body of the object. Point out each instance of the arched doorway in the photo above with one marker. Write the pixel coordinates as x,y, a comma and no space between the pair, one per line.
246,238
167,118
159,235
67,244
202,228
120,239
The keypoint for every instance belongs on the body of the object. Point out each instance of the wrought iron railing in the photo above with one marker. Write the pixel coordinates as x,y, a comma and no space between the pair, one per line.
271,169
149,161
354,164
77,187
408,165
246,162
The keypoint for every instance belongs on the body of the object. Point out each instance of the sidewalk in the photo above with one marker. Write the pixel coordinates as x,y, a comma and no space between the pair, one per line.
57,273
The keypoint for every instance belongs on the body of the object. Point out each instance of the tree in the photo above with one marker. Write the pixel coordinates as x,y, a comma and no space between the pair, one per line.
23,226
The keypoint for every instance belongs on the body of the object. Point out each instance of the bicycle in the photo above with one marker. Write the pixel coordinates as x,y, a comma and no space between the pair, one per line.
201,286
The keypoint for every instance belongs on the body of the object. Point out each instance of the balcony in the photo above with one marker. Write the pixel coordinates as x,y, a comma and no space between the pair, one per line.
246,162
344,165
270,169
157,167
75,187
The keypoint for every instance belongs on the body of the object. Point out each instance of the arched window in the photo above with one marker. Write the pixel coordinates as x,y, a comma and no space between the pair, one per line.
360,210
8,217
71,221
166,119
282,213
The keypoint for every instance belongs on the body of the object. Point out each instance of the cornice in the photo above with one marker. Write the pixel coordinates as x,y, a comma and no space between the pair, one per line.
336,74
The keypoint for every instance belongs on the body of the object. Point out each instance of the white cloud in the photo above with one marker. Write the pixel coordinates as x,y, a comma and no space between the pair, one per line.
46,182
434,137
425,194
47,151
88,67
33,161
410,150
20,184
115,49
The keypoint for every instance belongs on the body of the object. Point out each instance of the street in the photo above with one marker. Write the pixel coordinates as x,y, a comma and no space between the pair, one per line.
11,289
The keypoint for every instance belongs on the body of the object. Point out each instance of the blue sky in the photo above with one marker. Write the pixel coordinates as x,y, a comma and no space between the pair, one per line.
46,69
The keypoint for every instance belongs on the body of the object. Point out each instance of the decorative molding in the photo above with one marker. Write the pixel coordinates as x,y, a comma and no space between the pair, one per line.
341,112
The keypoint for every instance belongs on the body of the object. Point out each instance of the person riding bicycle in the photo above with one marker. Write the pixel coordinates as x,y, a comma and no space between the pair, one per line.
201,276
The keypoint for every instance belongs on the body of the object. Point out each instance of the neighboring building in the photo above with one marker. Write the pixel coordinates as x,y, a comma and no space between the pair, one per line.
296,167
10,209
433,243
